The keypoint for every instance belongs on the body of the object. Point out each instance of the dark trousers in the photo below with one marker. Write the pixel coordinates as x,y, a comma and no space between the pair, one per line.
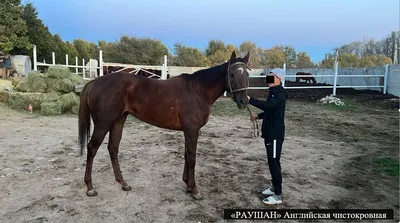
274,156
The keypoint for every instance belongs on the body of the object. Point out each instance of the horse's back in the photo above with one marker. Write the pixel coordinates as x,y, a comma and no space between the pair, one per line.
154,101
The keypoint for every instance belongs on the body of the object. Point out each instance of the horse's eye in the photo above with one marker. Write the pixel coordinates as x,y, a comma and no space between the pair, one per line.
231,74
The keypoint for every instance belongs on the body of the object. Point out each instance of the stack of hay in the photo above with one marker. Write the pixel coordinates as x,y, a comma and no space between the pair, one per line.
52,93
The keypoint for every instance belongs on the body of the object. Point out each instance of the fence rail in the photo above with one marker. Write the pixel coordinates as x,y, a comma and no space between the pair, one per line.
164,73
84,67
335,76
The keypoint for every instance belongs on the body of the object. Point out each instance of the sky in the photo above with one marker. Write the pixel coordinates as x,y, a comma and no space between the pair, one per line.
314,26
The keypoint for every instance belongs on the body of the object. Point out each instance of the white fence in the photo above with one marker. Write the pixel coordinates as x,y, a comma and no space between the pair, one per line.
76,65
83,66
336,76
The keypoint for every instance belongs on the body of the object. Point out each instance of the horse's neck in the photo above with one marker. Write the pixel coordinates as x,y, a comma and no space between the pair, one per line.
214,91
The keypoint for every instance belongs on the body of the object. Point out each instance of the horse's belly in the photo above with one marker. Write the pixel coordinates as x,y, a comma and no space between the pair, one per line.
159,117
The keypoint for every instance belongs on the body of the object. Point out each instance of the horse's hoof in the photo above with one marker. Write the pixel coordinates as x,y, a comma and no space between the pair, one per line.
91,193
197,196
127,188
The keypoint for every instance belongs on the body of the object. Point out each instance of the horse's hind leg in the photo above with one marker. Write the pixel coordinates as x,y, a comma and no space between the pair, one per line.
99,133
113,148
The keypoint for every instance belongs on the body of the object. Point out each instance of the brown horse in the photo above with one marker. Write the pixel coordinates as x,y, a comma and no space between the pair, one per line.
181,103
308,79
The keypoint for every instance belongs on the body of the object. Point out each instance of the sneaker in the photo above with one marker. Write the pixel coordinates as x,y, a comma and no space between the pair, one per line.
269,191
274,199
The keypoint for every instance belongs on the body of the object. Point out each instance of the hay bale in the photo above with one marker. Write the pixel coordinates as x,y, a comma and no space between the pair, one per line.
33,75
36,82
67,101
52,85
23,86
50,108
59,85
4,95
19,100
66,86
16,80
58,72
76,79
22,100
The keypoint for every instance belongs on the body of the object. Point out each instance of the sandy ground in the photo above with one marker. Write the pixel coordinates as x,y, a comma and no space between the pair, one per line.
326,163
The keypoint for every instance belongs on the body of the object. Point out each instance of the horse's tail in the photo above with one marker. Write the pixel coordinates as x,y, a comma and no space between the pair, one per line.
84,117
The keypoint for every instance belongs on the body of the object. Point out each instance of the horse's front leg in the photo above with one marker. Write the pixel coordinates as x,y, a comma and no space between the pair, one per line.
191,138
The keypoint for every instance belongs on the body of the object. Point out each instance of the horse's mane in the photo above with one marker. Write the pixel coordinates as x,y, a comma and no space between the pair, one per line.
208,76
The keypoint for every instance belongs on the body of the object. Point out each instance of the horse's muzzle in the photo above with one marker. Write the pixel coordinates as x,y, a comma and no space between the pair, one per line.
242,103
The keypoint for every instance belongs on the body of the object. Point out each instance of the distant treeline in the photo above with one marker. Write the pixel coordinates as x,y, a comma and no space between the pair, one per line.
23,29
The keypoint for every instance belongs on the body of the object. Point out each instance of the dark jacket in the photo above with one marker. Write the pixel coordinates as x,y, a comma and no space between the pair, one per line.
273,115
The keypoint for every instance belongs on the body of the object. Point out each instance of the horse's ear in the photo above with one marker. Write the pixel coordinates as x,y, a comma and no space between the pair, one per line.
233,56
246,58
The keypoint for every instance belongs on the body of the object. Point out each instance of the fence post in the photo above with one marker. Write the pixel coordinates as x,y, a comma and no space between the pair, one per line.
66,59
83,67
335,78
53,55
385,80
76,65
166,66
34,58
284,71
101,62
164,69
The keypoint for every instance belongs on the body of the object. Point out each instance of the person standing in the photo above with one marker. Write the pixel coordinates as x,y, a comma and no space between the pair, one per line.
273,131
7,65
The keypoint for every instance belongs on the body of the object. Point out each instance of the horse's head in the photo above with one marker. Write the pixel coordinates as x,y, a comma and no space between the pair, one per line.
237,79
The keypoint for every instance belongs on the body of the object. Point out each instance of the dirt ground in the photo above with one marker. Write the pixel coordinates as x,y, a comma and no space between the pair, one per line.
328,161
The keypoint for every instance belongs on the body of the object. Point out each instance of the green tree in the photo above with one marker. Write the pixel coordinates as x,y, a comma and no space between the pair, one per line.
328,62
13,28
348,60
70,49
214,46
85,49
38,35
290,55
144,51
110,51
217,52
275,57
189,56
304,60
250,47
371,61
59,49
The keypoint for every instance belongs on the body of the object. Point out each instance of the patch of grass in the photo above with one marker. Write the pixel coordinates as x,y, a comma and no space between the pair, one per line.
387,165
348,106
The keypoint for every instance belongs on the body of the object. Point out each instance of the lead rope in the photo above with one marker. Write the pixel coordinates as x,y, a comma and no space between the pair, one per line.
255,125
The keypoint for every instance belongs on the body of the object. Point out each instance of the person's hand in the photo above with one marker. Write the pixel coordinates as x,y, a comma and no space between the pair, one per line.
253,116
